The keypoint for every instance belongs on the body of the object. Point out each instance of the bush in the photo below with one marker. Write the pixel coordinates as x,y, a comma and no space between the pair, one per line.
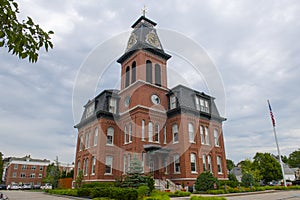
206,181
97,185
179,194
247,179
158,195
84,192
143,191
216,192
229,183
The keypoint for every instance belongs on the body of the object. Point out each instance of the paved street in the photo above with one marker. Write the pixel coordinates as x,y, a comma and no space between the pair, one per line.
278,195
27,195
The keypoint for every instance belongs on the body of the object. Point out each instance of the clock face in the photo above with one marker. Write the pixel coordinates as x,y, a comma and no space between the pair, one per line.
152,39
127,101
132,40
155,99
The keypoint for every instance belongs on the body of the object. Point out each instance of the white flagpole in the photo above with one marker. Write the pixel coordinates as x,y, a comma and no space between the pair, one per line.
279,154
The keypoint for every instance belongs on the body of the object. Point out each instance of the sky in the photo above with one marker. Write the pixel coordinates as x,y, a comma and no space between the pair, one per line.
252,44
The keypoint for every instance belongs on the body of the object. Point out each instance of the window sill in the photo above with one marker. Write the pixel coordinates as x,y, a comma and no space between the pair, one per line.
192,142
109,144
177,173
194,172
108,174
175,142
220,173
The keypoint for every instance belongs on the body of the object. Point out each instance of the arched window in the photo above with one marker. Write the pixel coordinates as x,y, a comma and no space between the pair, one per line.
193,162
143,130
149,71
133,72
96,137
176,163
78,167
86,166
202,135
207,136
175,133
81,143
93,165
216,137
126,136
156,134
157,75
204,162
110,136
191,133
127,77
209,163
130,132
219,164
150,131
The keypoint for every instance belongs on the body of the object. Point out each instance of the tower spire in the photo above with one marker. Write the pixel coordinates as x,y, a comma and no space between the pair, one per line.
144,10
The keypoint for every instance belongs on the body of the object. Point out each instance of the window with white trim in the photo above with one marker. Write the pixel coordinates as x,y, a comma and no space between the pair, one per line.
209,163
173,103
126,135
87,140
14,174
78,167
15,166
110,136
86,166
165,135
124,163
108,164
202,104
202,135
93,165
150,132
191,133
193,162
96,136
130,132
204,162
40,175
216,137
156,133
22,175
112,106
89,110
206,136
32,175
175,133
176,163
81,143
143,130
219,164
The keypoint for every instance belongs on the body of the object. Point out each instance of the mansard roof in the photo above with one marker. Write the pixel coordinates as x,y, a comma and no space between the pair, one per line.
144,37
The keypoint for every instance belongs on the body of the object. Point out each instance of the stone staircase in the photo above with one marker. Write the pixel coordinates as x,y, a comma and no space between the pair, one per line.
162,185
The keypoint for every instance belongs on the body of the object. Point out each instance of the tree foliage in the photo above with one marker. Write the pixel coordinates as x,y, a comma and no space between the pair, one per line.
248,167
79,179
52,174
24,39
206,181
294,159
268,167
247,179
230,164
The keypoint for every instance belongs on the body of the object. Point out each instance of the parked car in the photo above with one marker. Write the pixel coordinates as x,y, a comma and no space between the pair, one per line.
296,182
2,187
27,186
37,187
13,186
47,186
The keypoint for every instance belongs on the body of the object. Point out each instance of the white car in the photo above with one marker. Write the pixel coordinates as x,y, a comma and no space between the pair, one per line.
47,186
14,186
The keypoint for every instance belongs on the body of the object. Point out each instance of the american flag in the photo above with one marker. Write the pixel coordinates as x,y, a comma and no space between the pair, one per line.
271,114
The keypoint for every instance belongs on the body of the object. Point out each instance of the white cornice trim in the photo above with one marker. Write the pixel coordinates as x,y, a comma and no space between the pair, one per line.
140,106
142,82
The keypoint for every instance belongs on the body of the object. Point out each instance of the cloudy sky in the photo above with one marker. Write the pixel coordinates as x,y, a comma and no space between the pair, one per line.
253,44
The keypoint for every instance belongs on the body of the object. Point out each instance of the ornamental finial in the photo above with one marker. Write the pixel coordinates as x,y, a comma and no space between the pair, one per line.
144,10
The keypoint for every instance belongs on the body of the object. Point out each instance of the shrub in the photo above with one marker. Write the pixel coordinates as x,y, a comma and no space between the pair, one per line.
229,183
216,192
179,194
158,195
206,181
143,191
247,179
84,192
97,185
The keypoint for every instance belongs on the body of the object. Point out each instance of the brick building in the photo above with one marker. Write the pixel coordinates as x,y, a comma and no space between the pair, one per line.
27,170
176,133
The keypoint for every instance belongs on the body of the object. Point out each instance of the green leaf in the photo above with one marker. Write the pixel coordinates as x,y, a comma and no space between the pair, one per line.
1,43
50,32
2,34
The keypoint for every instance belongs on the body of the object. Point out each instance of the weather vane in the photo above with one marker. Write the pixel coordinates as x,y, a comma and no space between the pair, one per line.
144,10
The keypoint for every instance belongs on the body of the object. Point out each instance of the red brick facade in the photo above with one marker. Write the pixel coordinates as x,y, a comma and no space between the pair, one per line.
150,128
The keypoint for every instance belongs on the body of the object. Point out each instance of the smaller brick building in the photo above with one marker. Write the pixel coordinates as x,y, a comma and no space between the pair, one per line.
25,170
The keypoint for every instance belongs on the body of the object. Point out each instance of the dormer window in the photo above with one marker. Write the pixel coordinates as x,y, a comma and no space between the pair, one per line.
90,110
173,102
112,106
202,104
